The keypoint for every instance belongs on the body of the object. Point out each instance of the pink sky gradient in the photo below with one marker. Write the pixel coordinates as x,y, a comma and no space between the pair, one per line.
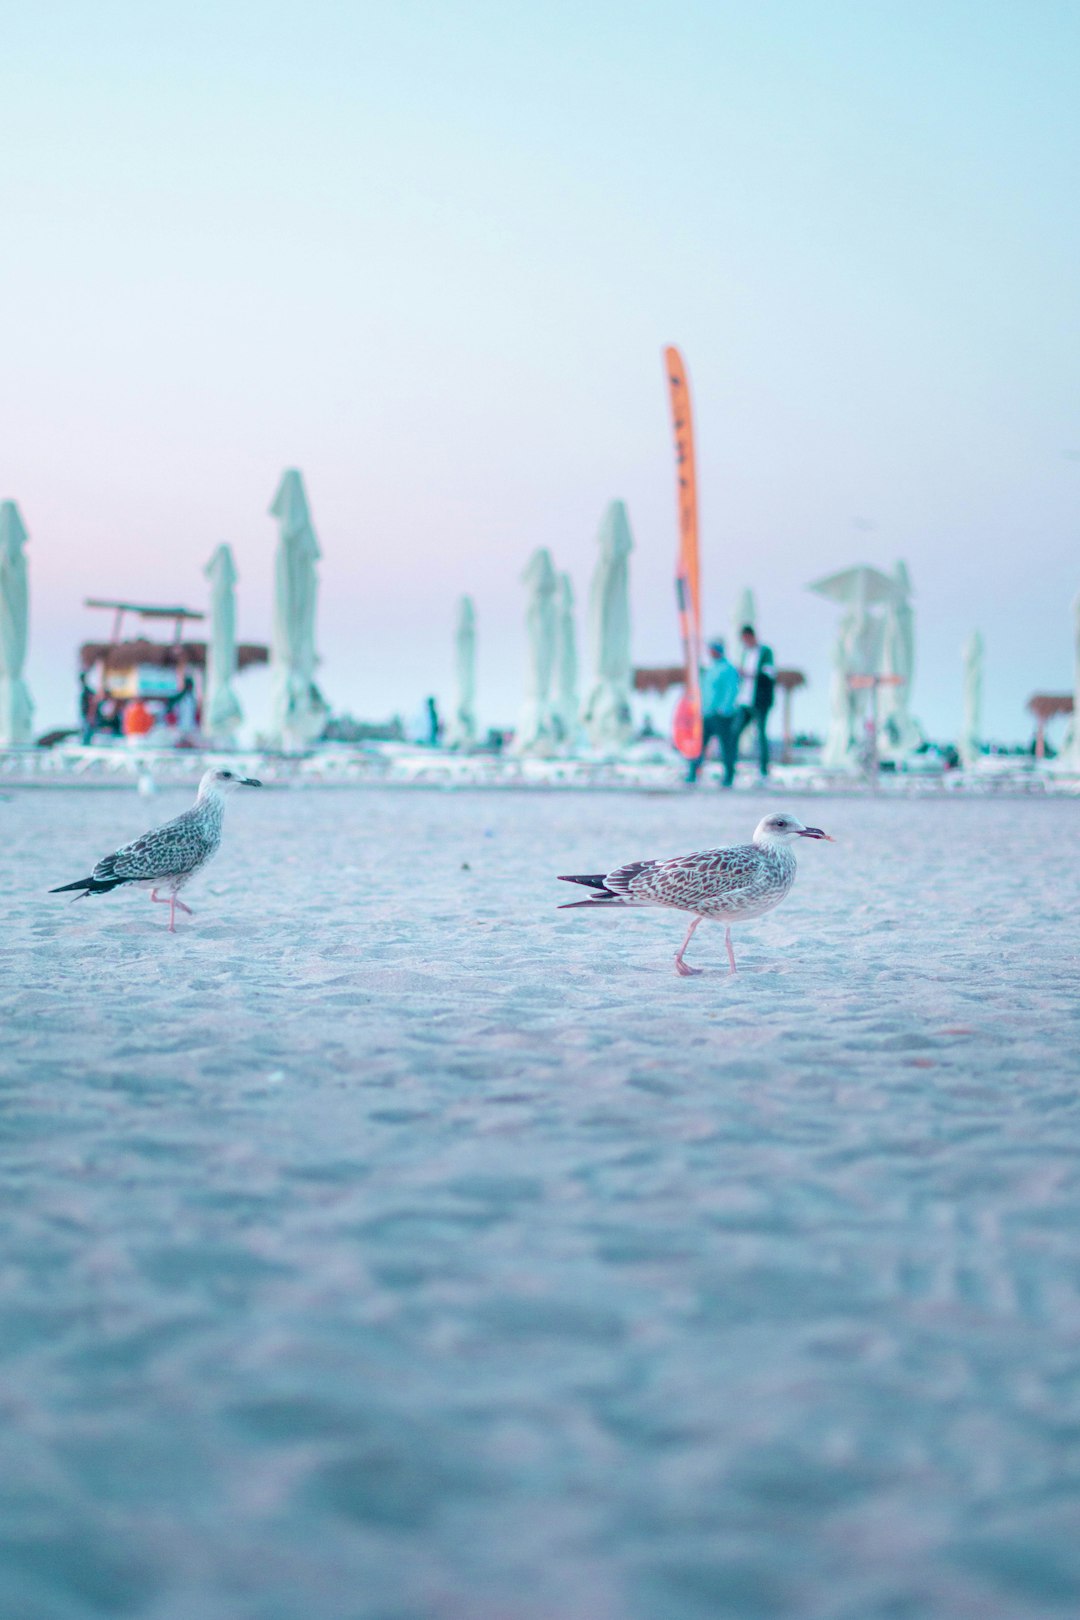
430,255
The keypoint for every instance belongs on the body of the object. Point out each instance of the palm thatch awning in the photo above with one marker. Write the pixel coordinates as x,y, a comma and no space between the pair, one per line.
1048,705
659,680
118,656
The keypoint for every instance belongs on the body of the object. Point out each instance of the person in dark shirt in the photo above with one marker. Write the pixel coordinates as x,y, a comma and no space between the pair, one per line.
757,688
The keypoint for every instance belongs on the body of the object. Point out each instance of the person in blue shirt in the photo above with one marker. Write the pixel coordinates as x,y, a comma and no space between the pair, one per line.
719,691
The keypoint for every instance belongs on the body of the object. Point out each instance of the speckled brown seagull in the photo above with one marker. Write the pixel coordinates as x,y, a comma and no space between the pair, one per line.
170,856
725,885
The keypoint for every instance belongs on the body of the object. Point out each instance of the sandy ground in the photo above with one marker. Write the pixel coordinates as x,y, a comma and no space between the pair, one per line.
388,1245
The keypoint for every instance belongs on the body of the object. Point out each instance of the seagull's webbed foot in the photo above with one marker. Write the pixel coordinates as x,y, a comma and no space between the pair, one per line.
684,970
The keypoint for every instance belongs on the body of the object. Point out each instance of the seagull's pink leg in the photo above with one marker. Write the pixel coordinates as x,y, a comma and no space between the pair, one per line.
730,951
174,906
172,902
681,967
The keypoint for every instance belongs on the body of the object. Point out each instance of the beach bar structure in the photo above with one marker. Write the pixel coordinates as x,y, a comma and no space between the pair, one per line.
139,667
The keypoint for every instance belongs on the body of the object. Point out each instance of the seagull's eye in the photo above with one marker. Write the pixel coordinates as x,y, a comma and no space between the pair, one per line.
226,776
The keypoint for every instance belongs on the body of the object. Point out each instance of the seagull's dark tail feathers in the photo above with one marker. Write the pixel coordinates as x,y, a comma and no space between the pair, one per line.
602,895
89,886
600,902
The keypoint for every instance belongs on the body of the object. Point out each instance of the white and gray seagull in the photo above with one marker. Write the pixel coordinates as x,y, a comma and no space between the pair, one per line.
171,855
725,885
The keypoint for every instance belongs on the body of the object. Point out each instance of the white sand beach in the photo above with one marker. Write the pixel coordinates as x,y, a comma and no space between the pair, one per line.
389,1243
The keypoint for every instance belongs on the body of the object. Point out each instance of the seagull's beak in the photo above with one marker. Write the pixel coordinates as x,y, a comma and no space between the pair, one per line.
253,781
815,832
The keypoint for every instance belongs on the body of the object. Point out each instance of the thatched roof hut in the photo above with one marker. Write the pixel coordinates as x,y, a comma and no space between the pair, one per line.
116,657
668,675
659,680
1047,706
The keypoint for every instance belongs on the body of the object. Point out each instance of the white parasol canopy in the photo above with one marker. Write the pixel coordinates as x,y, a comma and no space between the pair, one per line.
16,706
222,713
566,664
300,712
864,584
971,738
463,732
607,712
537,731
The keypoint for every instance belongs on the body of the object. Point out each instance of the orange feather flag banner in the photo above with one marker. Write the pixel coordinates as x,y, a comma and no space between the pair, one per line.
686,727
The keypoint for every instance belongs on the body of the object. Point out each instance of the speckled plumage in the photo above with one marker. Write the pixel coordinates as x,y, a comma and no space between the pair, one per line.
727,885
741,881
170,856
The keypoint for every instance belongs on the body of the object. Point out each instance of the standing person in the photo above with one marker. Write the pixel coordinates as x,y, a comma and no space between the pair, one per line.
719,689
432,722
182,711
88,708
757,688
110,716
138,722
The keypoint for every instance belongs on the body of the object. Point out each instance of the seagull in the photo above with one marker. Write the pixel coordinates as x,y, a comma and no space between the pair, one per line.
171,855
727,885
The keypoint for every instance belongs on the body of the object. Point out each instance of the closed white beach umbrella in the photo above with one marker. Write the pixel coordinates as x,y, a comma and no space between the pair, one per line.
972,738
299,710
745,613
464,727
537,730
900,733
838,738
607,712
222,713
16,707
566,663
857,651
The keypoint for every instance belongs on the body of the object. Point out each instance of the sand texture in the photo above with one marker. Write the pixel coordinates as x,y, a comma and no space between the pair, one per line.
389,1245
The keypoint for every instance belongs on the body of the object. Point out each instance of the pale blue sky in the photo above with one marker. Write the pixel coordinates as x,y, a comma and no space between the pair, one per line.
430,254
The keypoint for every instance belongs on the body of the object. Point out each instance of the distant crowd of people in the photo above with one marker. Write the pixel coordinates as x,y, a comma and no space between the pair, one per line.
173,719
733,698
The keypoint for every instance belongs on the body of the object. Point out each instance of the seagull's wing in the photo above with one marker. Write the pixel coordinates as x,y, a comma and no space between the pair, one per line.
687,880
169,851
630,881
